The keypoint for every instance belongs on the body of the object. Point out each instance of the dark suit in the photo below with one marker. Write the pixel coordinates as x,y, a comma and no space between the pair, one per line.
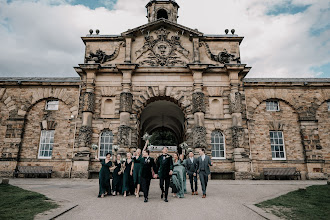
204,171
147,164
191,168
164,166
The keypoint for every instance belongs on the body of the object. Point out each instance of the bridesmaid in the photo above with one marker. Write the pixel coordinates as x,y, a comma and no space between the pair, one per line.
137,160
178,177
104,176
117,176
128,183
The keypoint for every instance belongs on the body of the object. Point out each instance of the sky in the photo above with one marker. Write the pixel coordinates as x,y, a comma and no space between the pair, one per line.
282,38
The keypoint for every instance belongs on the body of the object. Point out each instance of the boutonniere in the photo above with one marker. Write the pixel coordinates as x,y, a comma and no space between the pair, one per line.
167,156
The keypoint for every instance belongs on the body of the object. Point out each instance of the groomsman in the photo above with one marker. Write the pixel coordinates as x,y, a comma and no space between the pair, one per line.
165,171
191,167
147,166
204,163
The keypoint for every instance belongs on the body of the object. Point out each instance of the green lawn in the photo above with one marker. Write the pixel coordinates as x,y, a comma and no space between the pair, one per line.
312,203
17,203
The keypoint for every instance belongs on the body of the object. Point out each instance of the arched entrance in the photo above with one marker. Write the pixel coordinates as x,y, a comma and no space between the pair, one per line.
164,118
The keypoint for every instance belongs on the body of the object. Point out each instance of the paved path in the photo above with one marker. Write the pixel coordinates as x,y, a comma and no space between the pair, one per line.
226,199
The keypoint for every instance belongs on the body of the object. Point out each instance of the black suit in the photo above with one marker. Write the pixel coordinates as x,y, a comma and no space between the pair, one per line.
164,166
191,168
147,164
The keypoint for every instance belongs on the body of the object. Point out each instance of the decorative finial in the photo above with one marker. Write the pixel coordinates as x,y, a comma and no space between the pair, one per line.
233,31
97,31
90,31
226,31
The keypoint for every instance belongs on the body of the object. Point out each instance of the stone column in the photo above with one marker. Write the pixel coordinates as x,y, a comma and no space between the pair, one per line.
82,155
242,161
126,102
196,50
128,49
312,147
198,106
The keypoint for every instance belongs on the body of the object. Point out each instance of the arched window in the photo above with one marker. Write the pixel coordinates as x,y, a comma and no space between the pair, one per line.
106,141
218,145
162,14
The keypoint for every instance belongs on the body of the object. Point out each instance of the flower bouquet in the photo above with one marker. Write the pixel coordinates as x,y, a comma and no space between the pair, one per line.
146,137
95,147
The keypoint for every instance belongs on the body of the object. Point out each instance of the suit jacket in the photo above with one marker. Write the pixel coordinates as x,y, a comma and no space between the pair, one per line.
204,165
146,165
191,167
164,166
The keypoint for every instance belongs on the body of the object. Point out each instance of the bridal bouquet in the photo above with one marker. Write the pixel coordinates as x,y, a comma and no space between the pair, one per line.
146,136
184,145
95,147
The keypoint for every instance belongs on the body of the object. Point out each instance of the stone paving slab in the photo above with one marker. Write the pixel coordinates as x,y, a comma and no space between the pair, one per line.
226,199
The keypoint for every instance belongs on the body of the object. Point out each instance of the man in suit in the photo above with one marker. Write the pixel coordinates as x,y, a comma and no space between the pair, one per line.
147,166
165,171
204,163
191,167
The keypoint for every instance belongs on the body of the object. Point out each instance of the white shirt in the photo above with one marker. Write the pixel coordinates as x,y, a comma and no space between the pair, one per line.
192,159
203,157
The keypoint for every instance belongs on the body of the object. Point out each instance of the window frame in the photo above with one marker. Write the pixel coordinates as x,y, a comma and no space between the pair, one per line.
224,146
46,143
284,151
111,144
53,100
273,101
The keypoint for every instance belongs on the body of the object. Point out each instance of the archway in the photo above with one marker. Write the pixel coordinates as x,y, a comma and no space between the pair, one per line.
164,117
162,13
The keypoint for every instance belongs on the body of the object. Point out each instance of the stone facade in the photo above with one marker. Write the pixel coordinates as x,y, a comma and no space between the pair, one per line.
165,75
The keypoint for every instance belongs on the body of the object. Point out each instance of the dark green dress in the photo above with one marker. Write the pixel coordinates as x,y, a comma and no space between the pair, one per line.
128,182
116,178
104,178
136,170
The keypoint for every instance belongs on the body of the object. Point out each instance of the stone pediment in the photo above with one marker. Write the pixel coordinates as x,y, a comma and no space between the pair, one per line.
159,23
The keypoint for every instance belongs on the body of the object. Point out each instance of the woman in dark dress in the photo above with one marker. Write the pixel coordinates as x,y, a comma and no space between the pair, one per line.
104,176
117,177
137,160
128,182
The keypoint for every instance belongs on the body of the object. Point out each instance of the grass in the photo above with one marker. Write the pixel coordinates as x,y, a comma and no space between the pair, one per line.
310,203
17,203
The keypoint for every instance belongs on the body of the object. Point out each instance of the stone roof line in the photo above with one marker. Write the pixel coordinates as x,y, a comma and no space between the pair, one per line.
40,79
255,80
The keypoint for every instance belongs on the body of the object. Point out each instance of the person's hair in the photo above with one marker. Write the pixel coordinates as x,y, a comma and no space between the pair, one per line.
203,150
148,151
108,154
177,154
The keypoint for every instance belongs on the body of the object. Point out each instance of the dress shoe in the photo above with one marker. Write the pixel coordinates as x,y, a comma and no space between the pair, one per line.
196,193
204,196
145,199
192,193
165,200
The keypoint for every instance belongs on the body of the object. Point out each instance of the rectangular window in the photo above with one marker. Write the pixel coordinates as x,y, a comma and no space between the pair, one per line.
277,145
46,144
272,106
52,105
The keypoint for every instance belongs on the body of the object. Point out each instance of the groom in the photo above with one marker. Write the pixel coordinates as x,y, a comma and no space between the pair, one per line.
165,171
147,166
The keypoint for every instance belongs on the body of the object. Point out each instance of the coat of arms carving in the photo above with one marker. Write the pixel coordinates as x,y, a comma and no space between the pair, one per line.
162,51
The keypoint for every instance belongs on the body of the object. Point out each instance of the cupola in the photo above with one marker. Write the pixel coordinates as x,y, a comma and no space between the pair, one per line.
162,9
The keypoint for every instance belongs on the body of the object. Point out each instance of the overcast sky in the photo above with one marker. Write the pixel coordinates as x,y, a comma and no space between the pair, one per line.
283,38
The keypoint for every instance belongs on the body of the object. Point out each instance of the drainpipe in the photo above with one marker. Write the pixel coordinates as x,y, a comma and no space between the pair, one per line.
74,134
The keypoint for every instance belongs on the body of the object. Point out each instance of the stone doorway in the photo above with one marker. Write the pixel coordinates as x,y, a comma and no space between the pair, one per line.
163,116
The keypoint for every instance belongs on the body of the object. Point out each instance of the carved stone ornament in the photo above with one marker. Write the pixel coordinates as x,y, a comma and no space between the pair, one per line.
235,102
162,51
198,102
126,102
199,137
276,125
222,57
237,136
101,57
124,136
85,136
88,102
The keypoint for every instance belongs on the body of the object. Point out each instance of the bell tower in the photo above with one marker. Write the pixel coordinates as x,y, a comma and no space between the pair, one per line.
166,9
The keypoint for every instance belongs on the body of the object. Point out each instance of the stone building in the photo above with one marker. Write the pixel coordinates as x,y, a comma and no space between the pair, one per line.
163,74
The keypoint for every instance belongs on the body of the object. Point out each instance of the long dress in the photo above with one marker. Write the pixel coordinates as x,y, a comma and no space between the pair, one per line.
178,178
104,178
184,163
117,178
128,182
136,170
